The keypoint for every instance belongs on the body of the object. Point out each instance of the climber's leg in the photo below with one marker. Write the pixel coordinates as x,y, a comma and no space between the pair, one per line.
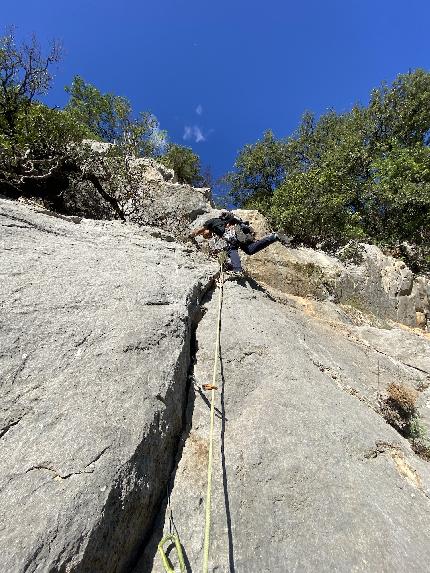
235,260
256,246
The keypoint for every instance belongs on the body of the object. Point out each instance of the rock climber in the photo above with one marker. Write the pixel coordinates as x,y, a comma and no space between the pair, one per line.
234,234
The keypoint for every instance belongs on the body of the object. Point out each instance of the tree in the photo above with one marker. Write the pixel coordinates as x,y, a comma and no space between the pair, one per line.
361,174
259,169
24,74
316,207
401,195
401,112
34,139
185,163
109,118
41,147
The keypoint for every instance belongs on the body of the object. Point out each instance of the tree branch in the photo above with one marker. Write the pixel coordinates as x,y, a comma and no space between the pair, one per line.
111,200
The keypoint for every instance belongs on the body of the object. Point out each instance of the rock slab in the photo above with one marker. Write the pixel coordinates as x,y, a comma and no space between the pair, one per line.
96,323
307,475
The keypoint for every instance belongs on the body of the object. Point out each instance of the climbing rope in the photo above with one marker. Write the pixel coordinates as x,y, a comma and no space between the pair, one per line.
212,417
171,537
174,537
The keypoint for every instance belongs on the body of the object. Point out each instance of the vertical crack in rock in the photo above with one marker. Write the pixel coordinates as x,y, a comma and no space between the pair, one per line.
160,511
151,468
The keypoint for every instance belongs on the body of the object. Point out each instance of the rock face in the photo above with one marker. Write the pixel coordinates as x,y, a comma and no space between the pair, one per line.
385,286
361,277
96,330
171,206
106,337
148,190
307,475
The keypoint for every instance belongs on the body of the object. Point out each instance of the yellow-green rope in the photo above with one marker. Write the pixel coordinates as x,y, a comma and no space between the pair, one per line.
171,538
211,431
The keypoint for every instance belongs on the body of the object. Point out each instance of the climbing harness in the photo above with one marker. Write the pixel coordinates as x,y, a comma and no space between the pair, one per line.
173,537
222,259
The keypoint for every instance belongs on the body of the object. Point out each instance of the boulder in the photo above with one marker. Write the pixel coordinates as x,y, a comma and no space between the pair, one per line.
360,276
170,206
385,286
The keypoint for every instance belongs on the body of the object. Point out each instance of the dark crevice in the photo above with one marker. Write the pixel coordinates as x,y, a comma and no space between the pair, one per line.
130,511
148,547
67,476
400,361
30,225
6,429
224,469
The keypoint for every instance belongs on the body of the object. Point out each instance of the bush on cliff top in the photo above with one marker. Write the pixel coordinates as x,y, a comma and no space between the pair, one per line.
40,151
363,174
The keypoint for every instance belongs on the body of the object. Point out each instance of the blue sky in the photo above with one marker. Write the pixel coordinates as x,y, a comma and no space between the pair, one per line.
217,74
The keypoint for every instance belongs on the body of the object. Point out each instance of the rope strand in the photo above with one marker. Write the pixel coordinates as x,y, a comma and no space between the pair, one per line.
211,431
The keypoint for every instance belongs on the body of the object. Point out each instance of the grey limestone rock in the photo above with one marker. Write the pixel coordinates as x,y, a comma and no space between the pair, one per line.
101,410
307,474
96,325
367,280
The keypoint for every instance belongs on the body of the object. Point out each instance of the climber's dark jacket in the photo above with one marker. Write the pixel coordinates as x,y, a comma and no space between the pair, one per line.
218,224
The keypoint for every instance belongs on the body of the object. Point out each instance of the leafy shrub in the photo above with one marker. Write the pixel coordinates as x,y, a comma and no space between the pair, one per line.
185,163
109,118
361,175
399,410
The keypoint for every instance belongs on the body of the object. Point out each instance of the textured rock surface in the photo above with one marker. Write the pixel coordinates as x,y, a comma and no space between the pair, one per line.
151,169
307,475
171,206
147,191
155,198
95,349
370,281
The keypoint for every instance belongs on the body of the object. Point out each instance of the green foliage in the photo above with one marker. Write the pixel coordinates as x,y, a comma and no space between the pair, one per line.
401,113
109,118
42,152
34,139
184,162
418,435
259,170
360,175
40,145
24,74
315,207
417,430
400,197
104,114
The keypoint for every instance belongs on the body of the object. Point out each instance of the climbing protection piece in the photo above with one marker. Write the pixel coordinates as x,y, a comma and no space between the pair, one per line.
222,259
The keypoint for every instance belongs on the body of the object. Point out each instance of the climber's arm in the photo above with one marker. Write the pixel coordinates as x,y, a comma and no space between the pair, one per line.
207,233
198,231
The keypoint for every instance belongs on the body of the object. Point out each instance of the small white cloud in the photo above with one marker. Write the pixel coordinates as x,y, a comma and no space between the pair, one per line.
193,133
198,134
199,109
